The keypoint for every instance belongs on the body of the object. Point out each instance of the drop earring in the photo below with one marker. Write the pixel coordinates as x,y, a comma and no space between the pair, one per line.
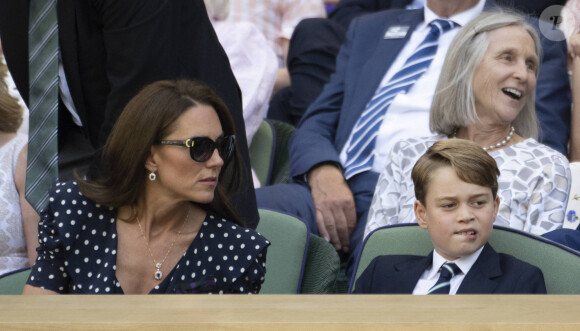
152,176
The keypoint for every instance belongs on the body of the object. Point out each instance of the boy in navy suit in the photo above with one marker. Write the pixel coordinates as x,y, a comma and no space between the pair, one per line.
456,190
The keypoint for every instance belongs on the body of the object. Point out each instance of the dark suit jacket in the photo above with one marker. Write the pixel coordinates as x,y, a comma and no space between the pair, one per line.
491,273
361,65
112,48
347,10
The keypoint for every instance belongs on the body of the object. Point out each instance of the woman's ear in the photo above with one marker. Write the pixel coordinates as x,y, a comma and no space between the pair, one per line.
420,214
150,163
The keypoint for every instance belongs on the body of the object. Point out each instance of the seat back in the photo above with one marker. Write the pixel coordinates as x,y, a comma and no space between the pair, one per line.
13,282
391,240
262,150
281,162
286,257
559,264
322,267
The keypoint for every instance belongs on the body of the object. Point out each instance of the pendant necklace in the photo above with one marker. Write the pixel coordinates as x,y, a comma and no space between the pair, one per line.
158,273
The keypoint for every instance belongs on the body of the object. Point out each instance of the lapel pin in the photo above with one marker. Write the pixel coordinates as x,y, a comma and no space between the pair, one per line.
396,32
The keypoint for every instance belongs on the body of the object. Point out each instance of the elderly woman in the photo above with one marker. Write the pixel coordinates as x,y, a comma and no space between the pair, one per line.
160,221
486,94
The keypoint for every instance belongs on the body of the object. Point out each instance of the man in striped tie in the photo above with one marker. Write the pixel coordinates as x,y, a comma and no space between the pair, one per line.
381,93
456,190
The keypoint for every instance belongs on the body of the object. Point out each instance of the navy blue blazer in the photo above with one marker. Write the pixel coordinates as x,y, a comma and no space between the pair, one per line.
361,65
492,273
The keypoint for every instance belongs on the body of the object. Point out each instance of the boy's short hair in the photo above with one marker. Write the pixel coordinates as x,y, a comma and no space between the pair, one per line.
471,164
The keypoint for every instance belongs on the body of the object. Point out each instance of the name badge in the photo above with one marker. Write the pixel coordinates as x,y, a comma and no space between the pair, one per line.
396,32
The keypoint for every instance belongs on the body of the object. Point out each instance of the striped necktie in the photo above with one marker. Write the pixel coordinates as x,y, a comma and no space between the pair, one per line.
361,145
446,272
42,168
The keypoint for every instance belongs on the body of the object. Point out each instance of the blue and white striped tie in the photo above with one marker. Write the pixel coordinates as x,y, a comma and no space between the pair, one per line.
443,285
360,147
42,168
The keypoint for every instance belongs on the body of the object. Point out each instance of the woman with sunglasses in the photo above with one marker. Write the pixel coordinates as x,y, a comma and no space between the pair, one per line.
160,220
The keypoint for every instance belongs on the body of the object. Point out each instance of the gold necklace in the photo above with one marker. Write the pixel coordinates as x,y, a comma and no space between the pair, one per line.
158,273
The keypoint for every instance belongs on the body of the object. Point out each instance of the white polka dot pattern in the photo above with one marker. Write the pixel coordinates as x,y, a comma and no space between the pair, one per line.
78,252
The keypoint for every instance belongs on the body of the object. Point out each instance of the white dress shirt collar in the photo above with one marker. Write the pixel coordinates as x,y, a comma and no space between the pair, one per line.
431,274
464,263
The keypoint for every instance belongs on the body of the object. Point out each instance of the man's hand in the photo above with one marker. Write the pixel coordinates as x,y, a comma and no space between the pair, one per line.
335,209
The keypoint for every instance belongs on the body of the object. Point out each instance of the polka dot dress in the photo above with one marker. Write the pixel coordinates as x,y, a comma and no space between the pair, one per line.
78,249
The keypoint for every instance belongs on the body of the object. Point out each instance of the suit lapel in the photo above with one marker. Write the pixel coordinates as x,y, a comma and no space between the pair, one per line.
383,57
407,274
484,274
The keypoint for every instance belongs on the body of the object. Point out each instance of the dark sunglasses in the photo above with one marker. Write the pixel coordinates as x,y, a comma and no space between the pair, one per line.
201,148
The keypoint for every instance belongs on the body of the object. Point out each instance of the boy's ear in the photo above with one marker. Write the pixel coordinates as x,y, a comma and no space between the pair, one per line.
420,214
496,206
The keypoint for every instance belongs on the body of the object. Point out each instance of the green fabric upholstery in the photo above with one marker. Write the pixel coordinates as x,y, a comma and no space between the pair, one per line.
287,253
13,283
262,152
269,152
281,163
322,267
560,265
392,240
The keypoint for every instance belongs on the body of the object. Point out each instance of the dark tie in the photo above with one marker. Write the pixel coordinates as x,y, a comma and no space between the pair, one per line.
360,147
443,285
42,168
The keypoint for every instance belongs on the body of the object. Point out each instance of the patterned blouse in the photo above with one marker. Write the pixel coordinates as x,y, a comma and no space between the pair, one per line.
78,250
533,186
13,254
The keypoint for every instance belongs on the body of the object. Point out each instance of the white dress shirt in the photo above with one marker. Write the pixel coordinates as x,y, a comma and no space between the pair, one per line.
431,274
65,95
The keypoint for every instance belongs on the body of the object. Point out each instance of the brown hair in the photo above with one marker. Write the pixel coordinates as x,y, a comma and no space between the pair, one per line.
471,164
148,118
10,110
